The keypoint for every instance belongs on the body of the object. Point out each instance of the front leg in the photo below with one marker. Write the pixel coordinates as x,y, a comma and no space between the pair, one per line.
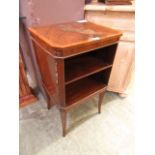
101,96
63,114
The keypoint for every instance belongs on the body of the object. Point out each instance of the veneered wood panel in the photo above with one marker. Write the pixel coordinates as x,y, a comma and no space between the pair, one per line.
48,71
68,39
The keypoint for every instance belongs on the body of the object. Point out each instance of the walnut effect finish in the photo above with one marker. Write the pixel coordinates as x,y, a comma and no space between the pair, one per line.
75,61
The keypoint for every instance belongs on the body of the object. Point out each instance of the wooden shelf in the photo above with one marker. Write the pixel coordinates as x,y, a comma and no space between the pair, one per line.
84,66
82,90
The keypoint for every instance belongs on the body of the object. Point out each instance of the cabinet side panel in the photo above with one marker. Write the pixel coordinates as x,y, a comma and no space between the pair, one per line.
123,67
48,70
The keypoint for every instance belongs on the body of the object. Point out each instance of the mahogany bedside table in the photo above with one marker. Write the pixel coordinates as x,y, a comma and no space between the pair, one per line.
75,60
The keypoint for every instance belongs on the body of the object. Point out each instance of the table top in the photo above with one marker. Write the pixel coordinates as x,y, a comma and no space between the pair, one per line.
68,36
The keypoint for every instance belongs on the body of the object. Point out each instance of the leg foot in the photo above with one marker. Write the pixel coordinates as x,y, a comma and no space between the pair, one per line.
63,114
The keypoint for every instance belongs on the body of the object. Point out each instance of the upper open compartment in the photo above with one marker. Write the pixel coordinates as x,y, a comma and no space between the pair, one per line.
83,65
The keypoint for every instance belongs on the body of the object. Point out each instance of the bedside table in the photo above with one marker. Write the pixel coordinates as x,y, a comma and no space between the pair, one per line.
75,61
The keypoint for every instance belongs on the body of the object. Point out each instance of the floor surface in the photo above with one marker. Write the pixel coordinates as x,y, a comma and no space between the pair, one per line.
89,133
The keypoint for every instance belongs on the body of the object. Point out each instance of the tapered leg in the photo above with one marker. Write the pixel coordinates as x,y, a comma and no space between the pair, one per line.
101,95
63,114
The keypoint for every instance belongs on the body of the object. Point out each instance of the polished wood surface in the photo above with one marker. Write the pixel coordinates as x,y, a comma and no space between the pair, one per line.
25,95
69,38
48,71
70,73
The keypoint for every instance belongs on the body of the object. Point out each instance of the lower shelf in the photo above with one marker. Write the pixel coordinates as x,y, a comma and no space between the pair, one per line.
83,89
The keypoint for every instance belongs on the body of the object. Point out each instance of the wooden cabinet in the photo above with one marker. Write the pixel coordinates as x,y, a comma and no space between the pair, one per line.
120,18
75,61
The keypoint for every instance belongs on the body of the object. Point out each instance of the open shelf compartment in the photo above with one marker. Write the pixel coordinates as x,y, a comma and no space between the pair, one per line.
84,65
86,87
